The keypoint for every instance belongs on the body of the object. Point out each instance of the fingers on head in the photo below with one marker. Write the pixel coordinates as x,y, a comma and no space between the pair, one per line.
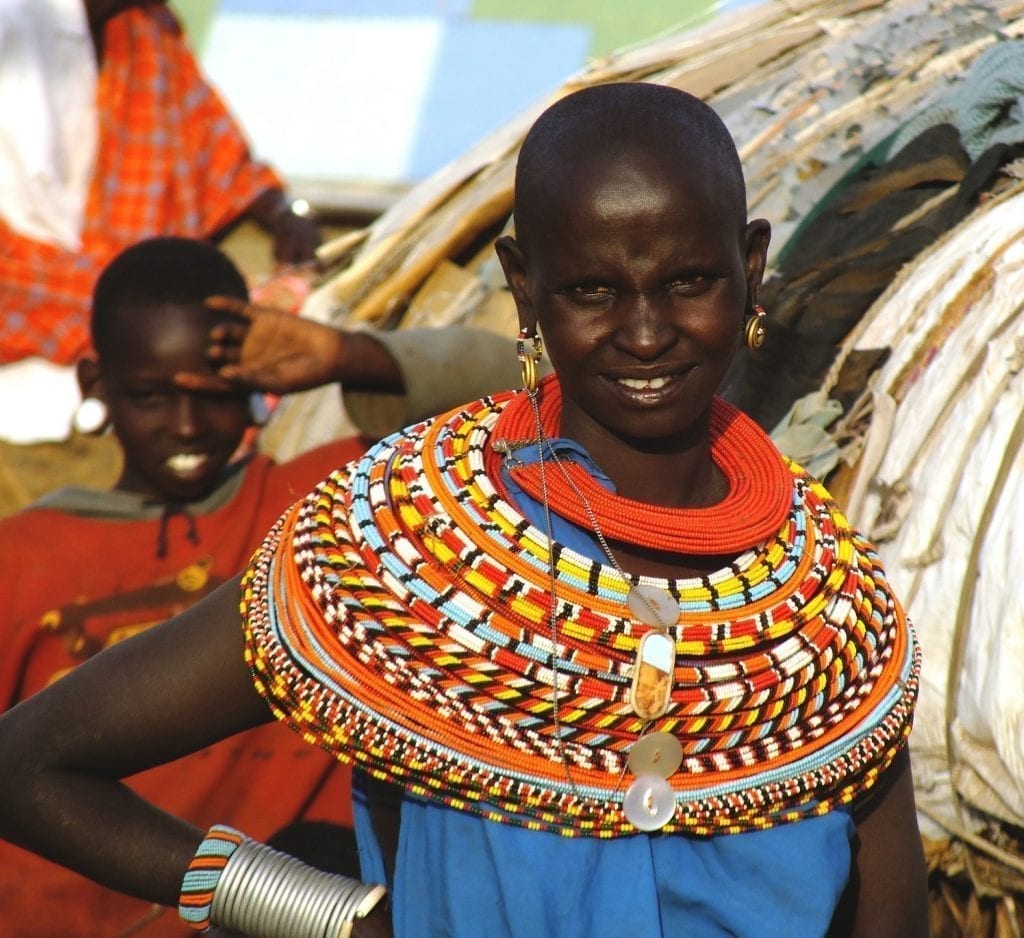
231,304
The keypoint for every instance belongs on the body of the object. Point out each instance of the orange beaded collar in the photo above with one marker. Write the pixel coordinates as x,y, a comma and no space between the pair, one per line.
760,485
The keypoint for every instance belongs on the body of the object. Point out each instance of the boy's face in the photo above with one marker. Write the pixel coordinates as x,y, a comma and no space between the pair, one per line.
638,281
176,442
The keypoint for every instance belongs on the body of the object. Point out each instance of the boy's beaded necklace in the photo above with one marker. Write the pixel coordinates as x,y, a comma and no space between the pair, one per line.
400,615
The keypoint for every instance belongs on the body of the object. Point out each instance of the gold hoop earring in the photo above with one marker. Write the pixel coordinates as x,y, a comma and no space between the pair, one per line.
528,359
756,328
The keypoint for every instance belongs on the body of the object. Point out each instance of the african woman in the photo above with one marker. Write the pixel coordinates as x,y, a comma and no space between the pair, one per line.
629,669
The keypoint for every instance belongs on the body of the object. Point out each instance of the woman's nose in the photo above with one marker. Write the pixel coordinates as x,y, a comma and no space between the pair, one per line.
645,329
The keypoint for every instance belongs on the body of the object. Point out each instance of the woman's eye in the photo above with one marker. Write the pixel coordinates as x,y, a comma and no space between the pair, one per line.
590,293
689,284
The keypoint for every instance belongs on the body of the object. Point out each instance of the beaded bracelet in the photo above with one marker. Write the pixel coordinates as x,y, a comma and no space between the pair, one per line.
204,873
247,886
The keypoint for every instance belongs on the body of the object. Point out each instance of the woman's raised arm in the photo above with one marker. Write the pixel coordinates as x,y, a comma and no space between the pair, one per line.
169,691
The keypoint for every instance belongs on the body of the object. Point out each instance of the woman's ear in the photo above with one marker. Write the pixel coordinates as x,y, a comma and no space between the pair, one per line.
513,263
757,236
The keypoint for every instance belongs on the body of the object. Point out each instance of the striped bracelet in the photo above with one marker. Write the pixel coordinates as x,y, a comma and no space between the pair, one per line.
204,873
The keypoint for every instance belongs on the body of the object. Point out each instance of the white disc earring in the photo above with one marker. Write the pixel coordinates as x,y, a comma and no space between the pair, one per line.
91,416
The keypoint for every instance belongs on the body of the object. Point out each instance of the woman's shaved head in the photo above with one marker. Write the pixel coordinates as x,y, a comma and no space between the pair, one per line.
607,125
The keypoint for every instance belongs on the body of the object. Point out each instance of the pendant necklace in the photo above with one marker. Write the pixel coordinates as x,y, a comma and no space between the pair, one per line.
649,803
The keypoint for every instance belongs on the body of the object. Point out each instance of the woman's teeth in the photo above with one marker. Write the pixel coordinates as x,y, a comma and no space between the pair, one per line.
644,384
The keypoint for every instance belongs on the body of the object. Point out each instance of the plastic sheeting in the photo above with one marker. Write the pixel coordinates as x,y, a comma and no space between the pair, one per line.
944,499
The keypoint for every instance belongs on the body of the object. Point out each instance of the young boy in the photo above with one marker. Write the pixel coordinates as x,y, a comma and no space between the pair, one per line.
84,569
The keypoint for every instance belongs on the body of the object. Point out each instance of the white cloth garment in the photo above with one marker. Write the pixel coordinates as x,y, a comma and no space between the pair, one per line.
47,118
38,399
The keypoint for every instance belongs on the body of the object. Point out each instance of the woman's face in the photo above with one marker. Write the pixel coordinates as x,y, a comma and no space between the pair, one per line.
639,285
176,442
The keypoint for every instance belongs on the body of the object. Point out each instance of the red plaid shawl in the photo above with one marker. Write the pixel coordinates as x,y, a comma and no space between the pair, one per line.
170,160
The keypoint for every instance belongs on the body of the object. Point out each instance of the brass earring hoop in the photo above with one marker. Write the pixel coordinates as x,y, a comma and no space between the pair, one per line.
528,359
756,328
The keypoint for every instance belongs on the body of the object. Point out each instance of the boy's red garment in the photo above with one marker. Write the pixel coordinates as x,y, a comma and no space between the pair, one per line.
170,161
74,583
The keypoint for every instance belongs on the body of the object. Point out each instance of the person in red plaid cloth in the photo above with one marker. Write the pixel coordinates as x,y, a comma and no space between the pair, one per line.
110,134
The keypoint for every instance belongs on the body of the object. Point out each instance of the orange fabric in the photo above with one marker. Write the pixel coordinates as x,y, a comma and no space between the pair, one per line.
170,161
74,584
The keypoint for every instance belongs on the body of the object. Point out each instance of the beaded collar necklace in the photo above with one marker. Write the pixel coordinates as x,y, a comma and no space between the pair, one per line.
759,498
399,616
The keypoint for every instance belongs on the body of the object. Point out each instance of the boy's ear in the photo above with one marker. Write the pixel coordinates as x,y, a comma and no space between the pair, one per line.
513,263
90,379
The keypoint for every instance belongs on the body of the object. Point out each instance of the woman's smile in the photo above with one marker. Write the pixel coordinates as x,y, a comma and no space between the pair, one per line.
650,390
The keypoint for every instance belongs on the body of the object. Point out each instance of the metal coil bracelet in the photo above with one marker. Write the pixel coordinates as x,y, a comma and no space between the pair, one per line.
264,893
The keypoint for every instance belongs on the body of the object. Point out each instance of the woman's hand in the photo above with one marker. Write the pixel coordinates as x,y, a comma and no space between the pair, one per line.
186,685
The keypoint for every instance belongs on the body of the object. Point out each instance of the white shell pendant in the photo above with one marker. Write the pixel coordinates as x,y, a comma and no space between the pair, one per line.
650,803
653,675
653,606
655,754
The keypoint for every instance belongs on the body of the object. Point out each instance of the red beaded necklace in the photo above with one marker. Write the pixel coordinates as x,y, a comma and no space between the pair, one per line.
760,485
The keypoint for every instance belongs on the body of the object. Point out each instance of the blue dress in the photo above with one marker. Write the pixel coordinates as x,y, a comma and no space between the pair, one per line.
461,876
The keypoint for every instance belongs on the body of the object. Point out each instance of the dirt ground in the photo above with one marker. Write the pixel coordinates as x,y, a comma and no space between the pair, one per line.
27,472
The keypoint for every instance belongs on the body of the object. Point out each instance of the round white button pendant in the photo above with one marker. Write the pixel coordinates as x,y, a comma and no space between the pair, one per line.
653,606
655,754
650,803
